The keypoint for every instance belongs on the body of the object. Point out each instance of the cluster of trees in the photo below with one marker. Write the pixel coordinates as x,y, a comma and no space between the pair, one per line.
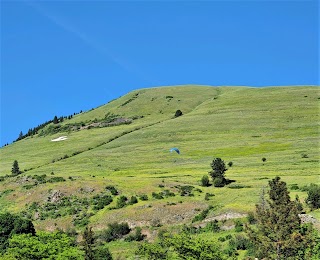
35,130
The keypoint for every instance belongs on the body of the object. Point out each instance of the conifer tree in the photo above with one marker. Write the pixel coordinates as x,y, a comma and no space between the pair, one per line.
55,120
218,172
15,168
278,234
88,243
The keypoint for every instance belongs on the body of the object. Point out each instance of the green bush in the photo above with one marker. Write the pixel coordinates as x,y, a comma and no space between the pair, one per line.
205,181
143,197
218,182
112,189
115,231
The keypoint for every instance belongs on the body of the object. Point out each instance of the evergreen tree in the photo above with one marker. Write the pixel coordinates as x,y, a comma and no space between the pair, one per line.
218,172
278,234
15,168
88,243
55,120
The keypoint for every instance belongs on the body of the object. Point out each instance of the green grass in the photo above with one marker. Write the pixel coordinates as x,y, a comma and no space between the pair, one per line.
237,124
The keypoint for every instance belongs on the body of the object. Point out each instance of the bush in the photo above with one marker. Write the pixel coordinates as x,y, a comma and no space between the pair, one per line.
251,218
313,199
112,189
137,236
263,159
143,197
178,113
238,226
230,164
208,196
115,231
218,182
121,202
205,181
202,215
133,200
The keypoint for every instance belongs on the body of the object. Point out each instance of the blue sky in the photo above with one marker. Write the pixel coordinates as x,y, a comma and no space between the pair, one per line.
60,57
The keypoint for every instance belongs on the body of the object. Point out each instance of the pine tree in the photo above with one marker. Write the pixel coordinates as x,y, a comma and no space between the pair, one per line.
55,120
15,168
278,234
88,243
218,172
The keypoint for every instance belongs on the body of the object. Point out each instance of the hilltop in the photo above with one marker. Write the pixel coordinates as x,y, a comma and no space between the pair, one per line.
125,144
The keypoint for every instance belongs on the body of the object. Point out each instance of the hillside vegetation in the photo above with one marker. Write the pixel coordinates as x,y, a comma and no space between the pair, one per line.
126,143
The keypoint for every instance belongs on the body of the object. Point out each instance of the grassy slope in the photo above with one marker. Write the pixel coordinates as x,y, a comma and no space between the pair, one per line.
238,124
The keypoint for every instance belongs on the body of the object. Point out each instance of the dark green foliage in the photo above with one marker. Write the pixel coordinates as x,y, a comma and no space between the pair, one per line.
218,182
40,178
208,196
178,113
278,233
238,225
230,164
212,226
133,200
313,199
56,179
137,236
205,181
185,190
55,120
100,201
121,202
157,196
251,218
115,231
143,197
202,215
112,189
12,224
102,253
15,168
88,243
263,159
218,172
294,187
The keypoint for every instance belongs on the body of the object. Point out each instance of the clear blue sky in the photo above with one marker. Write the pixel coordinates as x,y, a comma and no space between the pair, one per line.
60,57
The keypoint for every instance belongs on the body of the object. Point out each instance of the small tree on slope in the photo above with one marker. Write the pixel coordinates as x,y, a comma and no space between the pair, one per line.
279,234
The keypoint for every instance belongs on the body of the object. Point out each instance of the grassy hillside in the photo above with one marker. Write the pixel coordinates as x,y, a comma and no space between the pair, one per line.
238,124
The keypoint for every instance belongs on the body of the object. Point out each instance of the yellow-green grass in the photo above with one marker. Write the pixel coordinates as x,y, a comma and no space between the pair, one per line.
238,124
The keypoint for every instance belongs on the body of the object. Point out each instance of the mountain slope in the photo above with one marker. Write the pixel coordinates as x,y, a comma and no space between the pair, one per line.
237,124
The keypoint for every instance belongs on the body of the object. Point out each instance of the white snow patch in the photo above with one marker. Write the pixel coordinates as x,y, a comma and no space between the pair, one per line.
61,138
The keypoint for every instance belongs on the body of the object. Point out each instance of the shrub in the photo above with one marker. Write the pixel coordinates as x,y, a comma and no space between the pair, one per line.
313,199
121,202
115,231
112,189
238,225
230,164
208,196
263,159
251,218
143,197
294,187
218,182
133,200
137,236
202,215
178,113
205,181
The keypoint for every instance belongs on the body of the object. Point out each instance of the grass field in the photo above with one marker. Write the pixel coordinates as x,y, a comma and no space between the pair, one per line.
238,124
